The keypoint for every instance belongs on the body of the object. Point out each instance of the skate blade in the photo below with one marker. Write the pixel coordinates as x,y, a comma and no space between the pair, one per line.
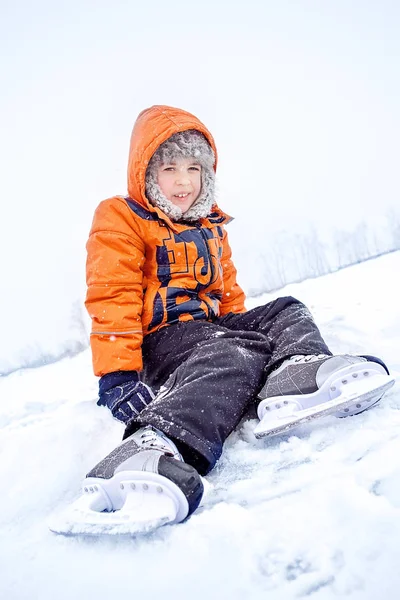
142,512
269,426
147,505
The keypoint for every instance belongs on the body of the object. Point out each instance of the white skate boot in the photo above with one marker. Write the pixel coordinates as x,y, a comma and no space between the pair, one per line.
139,486
307,387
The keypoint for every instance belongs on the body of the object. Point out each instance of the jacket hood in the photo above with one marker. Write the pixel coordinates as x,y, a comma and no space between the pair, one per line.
153,127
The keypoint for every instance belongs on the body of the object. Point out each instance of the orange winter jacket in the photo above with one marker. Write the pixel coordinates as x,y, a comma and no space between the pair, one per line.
145,271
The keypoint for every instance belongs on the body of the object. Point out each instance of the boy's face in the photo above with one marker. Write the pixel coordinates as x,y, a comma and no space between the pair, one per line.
180,182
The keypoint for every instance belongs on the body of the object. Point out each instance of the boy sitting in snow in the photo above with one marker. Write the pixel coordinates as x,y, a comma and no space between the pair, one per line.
180,359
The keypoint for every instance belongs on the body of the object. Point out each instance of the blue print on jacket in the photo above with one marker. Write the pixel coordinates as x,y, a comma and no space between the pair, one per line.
175,258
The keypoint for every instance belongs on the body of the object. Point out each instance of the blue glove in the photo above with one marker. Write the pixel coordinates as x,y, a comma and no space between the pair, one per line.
124,394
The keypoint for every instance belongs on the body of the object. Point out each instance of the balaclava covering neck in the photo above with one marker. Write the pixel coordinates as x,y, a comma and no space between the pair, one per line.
184,144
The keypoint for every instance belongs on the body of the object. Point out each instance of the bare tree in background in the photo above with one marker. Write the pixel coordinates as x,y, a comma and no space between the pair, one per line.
79,324
291,258
312,254
393,218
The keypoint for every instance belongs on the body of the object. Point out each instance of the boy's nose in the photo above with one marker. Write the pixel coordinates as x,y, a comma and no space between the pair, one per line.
182,179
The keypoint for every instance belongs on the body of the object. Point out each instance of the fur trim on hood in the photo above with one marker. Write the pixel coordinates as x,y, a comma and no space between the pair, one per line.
184,144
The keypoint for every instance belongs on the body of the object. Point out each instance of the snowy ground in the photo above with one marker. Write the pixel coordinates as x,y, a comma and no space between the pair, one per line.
313,514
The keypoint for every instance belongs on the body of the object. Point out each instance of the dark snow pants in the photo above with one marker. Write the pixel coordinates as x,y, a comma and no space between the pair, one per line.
208,374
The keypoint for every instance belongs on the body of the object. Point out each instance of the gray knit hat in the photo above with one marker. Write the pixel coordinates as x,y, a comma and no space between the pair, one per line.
184,144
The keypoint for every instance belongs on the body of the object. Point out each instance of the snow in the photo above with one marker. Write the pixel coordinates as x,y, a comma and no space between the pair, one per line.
313,513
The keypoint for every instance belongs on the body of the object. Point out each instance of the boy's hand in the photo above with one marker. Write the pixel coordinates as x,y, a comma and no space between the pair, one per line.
124,394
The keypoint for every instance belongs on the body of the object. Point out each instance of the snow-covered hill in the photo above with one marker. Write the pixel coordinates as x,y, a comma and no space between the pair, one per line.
315,513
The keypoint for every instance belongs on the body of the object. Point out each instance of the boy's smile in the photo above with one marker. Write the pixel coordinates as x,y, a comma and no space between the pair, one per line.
180,182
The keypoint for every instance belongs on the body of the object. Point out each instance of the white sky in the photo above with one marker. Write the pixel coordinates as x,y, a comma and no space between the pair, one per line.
302,97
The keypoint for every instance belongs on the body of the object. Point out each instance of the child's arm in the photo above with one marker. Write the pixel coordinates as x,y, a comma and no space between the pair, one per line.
114,297
233,297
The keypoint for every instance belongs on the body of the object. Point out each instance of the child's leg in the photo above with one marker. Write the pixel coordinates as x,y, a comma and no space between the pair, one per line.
302,376
287,324
214,375
212,372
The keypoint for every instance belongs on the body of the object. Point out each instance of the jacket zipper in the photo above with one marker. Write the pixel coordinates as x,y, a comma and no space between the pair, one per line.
199,227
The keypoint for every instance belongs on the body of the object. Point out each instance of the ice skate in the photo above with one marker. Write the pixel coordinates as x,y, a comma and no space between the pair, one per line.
308,387
139,486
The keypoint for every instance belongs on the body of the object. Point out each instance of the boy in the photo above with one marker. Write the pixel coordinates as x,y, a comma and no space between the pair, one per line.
180,359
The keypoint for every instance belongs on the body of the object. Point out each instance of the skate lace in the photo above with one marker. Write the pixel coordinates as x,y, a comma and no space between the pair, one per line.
151,439
301,358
